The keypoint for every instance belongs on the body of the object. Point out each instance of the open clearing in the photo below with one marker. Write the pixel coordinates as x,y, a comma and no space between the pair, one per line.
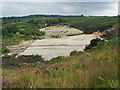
62,31
53,47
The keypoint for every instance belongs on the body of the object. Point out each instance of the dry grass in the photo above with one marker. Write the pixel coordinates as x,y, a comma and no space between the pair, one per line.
73,74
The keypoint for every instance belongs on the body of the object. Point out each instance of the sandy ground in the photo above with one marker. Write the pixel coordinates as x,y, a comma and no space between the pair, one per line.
16,49
53,47
62,31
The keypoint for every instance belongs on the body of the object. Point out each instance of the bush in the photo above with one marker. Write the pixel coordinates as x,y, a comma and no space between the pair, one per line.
5,50
34,32
93,43
56,36
10,29
74,52
23,60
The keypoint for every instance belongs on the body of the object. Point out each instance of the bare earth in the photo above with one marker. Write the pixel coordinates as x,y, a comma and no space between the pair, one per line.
53,47
63,31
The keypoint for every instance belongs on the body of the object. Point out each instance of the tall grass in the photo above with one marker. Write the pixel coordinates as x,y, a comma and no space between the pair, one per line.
97,69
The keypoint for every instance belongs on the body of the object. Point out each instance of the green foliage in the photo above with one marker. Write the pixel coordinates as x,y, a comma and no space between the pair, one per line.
5,50
90,25
9,30
32,32
56,36
28,37
93,43
103,83
54,60
15,64
74,52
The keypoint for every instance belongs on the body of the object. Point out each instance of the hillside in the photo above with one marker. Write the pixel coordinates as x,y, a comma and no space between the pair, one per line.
93,68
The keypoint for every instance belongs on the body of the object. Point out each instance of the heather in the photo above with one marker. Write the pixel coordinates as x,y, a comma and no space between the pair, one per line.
94,68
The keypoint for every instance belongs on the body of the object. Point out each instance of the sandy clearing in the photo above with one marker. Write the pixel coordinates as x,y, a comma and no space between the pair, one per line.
16,49
53,47
63,31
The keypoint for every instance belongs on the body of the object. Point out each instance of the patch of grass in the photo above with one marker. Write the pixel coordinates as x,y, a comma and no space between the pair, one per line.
53,60
56,36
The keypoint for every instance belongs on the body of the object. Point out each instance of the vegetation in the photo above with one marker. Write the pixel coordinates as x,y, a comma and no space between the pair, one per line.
56,36
94,43
91,26
16,29
74,52
5,50
32,32
53,60
24,60
10,30
96,67
92,69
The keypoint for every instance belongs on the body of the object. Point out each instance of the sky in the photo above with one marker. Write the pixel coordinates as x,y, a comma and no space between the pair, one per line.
23,8
59,0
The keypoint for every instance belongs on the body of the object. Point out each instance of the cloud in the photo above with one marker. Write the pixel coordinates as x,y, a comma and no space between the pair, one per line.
67,8
119,8
60,1
110,10
73,8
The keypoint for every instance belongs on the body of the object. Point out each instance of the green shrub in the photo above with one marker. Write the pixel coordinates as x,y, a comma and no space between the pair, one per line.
74,52
56,36
10,29
34,32
5,50
94,43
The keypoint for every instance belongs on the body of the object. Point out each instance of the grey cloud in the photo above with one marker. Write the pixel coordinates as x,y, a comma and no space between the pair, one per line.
75,8
60,1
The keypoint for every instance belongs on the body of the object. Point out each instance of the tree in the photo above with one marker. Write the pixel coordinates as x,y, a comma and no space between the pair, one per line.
12,29
81,15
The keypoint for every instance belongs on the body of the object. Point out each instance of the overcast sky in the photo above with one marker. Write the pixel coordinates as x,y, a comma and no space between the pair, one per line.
59,0
61,8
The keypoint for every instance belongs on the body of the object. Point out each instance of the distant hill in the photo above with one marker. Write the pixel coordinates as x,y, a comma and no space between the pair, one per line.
41,15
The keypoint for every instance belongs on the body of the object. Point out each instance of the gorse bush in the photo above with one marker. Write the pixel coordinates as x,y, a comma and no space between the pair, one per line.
94,43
